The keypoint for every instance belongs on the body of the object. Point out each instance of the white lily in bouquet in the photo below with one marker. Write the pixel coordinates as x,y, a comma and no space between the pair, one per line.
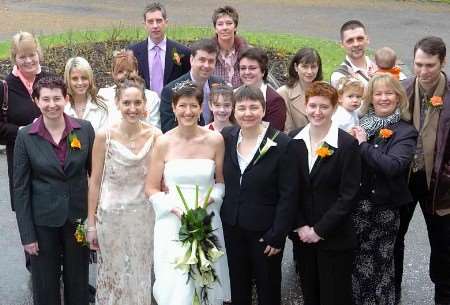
201,246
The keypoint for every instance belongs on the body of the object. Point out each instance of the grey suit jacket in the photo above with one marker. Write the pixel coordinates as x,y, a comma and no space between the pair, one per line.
45,194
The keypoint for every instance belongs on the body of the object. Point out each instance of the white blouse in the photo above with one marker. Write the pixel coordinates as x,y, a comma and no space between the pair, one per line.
96,115
331,139
153,101
244,161
345,119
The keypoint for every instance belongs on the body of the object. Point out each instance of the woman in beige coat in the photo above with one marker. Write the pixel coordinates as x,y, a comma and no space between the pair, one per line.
304,68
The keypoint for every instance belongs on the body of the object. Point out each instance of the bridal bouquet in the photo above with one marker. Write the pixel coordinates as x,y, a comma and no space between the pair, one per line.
200,244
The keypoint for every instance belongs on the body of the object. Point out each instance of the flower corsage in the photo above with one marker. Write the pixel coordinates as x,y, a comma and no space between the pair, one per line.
74,142
383,135
80,232
436,102
324,151
176,57
270,142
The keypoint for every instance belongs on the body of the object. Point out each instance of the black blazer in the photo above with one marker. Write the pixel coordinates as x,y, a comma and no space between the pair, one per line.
330,191
172,71
265,201
386,166
165,108
44,193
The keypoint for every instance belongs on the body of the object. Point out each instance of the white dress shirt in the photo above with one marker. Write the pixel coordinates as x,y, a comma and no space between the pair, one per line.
96,115
244,161
331,139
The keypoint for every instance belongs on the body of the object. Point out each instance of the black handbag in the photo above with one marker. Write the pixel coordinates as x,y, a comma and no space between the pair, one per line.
4,110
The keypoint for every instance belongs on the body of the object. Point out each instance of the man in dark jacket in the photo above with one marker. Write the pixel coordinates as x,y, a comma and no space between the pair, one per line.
429,97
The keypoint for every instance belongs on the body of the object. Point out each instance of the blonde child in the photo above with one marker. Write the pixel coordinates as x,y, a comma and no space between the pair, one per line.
350,91
385,59
221,103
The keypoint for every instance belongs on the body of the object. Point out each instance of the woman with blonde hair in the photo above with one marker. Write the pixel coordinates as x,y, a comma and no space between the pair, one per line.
17,106
84,102
123,64
387,144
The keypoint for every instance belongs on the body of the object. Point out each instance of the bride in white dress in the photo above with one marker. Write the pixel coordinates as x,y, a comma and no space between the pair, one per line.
187,155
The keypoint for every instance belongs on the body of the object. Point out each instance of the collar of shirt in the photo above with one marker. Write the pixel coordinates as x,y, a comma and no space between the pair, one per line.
369,65
264,90
38,127
162,44
331,139
90,106
245,161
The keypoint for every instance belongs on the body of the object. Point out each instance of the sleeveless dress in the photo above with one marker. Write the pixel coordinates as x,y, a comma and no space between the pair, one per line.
172,285
125,222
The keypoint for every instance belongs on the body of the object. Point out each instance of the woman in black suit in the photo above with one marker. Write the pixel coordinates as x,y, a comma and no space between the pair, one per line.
387,146
260,199
330,175
52,161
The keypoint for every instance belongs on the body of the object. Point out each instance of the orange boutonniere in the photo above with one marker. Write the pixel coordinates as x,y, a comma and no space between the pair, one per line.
324,151
74,142
385,133
176,57
436,102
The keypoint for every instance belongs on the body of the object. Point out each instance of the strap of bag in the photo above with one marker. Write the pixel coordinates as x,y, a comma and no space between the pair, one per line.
347,63
5,102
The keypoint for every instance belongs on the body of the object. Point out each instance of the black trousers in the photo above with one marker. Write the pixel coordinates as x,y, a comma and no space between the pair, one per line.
325,275
438,228
246,260
57,246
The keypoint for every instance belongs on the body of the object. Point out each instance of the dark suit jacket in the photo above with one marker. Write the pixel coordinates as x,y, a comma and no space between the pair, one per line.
275,109
172,71
265,200
386,166
330,192
44,193
165,108
439,195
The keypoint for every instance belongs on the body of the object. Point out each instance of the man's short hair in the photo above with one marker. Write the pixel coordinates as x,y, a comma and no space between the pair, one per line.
153,7
207,45
351,25
432,45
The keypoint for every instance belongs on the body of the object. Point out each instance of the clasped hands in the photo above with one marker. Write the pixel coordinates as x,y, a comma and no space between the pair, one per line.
308,235
359,133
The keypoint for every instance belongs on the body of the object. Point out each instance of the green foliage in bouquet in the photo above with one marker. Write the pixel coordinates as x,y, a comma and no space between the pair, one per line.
201,246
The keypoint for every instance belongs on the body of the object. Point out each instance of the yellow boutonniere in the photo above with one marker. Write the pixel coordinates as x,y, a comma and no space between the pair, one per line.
176,57
436,102
74,142
80,233
324,151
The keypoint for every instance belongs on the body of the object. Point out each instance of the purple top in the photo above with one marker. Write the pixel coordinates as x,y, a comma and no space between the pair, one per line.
38,127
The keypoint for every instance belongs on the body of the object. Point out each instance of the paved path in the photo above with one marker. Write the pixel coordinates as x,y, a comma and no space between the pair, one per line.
393,23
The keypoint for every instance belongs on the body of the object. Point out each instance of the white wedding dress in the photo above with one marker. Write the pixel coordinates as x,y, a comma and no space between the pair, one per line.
172,285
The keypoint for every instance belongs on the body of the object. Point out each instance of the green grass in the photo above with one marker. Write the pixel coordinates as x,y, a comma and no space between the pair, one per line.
330,51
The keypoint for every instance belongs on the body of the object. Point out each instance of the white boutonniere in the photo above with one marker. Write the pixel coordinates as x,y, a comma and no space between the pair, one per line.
269,143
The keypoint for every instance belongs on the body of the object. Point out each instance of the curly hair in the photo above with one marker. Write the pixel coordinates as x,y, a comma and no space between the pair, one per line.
321,88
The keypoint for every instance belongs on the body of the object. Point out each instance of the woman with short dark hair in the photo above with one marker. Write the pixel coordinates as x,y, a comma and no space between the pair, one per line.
330,172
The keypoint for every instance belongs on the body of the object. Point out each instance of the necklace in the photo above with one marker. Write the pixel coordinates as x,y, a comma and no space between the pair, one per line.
131,139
